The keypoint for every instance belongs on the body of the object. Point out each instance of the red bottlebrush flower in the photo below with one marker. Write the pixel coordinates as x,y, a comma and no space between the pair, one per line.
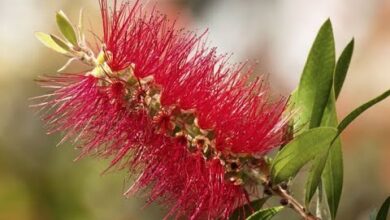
168,109
237,110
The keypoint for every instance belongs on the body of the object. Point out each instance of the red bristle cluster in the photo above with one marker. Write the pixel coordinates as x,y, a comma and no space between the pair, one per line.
185,182
238,111
83,110
194,77
102,117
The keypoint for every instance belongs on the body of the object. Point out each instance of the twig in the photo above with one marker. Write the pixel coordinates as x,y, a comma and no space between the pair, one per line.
293,203
281,190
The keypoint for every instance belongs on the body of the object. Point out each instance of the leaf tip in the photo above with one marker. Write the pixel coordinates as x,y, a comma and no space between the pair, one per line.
61,13
351,43
37,34
328,23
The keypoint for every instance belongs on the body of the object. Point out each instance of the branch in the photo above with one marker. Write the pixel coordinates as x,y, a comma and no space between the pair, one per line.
293,203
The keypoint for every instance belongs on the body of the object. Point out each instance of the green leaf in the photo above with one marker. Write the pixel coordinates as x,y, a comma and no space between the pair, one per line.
332,171
332,175
299,151
66,28
247,209
314,177
355,113
265,214
330,166
49,42
384,210
317,78
342,67
292,100
60,42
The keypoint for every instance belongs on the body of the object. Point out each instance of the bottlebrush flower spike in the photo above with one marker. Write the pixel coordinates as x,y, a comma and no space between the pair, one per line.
159,103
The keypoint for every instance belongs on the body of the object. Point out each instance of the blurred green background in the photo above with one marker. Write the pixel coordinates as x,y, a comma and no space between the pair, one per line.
41,181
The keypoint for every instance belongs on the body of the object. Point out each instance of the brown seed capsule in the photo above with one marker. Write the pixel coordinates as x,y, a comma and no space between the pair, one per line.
284,185
284,202
267,191
234,166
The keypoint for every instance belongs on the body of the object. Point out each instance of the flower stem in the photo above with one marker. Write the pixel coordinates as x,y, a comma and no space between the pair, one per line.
293,203
281,190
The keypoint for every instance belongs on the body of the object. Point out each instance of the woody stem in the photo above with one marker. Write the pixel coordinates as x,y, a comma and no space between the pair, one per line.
293,203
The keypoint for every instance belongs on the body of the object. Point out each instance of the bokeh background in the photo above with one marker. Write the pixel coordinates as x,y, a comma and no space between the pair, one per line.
41,181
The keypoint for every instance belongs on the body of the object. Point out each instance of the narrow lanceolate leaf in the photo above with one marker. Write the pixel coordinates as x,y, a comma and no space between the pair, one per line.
332,175
300,151
342,67
331,161
314,90
60,42
49,42
66,28
80,27
314,177
265,214
355,113
384,210
248,209
317,78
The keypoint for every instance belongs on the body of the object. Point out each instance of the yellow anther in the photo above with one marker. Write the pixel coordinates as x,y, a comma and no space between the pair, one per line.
101,58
